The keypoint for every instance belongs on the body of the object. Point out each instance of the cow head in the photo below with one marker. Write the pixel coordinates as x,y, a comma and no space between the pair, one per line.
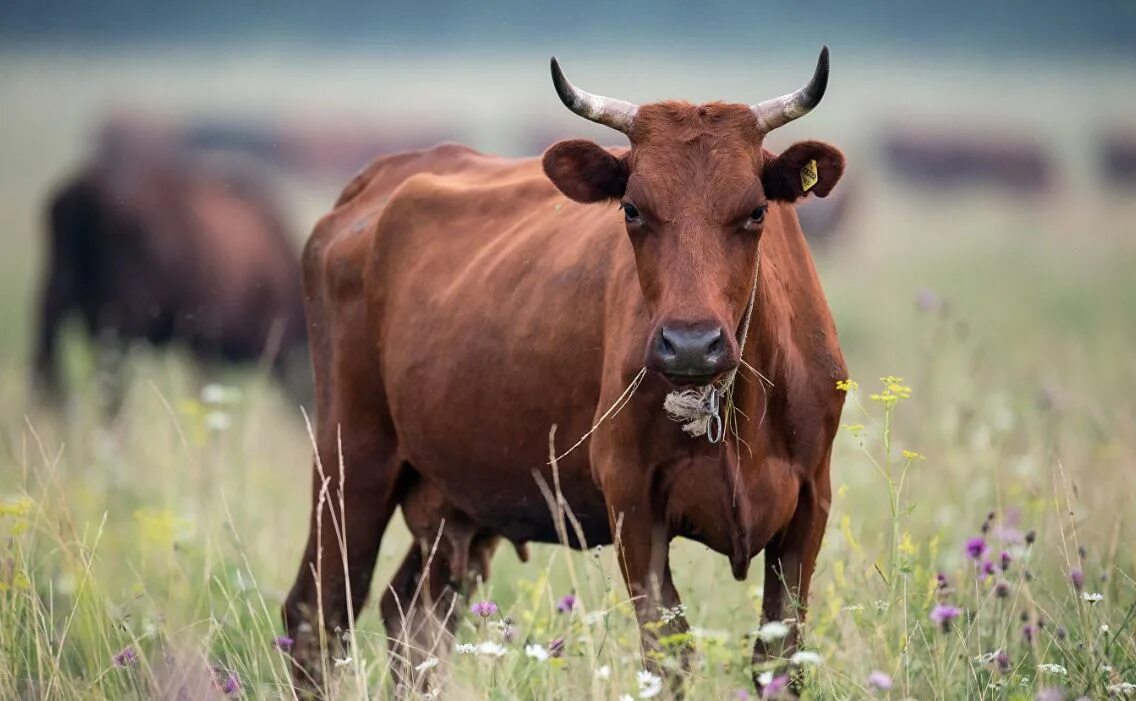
694,191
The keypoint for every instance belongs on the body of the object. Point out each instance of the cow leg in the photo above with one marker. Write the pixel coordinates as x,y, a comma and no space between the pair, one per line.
420,613
789,565
55,301
643,545
328,592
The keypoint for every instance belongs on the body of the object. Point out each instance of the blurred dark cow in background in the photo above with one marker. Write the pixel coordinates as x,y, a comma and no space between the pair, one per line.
462,304
963,159
151,242
1118,158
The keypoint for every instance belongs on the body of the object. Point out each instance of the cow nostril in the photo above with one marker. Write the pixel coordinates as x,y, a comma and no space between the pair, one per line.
717,346
666,348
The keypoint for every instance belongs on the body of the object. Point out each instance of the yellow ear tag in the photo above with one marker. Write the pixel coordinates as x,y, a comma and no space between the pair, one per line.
809,176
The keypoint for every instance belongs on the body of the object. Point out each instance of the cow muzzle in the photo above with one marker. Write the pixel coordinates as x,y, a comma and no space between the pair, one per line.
691,354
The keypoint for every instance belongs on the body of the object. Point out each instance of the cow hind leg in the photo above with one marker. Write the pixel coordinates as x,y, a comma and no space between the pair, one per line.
789,565
348,519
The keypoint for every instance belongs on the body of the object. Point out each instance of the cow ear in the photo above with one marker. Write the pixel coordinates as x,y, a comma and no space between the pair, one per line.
809,166
584,171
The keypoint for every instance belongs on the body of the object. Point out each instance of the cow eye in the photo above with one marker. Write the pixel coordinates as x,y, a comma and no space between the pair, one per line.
757,216
630,213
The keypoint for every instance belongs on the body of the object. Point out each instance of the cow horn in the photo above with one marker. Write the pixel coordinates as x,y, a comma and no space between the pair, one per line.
610,112
779,111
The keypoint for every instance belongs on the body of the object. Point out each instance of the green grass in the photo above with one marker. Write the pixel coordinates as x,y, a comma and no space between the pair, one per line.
163,534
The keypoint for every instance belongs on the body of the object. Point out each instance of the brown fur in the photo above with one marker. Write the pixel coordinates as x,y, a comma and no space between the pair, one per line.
478,306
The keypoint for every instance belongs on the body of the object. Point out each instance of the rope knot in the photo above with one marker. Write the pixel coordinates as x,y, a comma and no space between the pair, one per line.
697,409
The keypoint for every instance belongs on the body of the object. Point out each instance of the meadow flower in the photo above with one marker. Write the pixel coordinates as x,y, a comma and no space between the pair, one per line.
625,697
465,648
650,685
1006,560
485,609
988,569
806,658
1050,694
536,651
556,647
941,578
429,663
230,684
603,672
944,614
975,547
1031,536
1028,631
491,649
773,630
283,643
1093,597
217,421
879,680
1052,668
341,661
775,686
1002,661
566,603
1001,589
1123,689
125,657
1077,577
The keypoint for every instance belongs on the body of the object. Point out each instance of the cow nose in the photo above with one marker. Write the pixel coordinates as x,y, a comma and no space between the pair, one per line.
691,351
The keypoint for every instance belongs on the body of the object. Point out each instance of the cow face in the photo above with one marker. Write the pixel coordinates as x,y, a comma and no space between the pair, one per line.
695,191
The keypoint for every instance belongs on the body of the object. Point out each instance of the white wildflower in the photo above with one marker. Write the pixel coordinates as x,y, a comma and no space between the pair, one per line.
537,652
1122,689
491,649
626,697
1052,668
341,662
1104,628
773,630
650,685
764,678
603,672
466,648
430,663
217,421
806,658
1092,597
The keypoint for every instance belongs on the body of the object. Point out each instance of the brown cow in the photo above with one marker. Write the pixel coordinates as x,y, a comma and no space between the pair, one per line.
460,305
151,243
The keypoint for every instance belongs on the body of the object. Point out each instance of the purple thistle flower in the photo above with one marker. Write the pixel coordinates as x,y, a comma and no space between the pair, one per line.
1077,577
1002,589
775,686
742,695
941,578
944,614
556,647
975,547
566,604
485,609
1002,661
988,568
879,680
125,657
1028,632
283,643
231,684
1007,559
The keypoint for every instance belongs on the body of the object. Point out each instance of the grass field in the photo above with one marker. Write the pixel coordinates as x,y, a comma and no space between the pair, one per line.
153,553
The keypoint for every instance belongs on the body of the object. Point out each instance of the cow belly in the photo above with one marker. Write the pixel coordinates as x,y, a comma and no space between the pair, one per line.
473,401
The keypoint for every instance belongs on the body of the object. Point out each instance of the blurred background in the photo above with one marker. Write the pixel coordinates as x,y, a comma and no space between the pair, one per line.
981,244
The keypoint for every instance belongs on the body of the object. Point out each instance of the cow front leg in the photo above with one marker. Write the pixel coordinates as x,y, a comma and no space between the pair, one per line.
642,542
789,565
